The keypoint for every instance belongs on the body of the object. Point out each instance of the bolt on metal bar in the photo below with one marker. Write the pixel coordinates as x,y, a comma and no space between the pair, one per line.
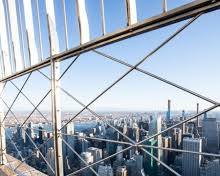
181,151
95,114
79,157
30,102
56,116
17,96
68,67
161,162
136,65
35,108
156,77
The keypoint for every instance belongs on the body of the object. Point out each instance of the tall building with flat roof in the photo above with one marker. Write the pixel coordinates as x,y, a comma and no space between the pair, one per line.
88,158
51,160
96,153
105,170
191,162
211,133
168,111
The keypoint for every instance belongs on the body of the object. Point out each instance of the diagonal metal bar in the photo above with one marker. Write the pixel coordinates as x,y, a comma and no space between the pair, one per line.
136,65
35,108
161,162
3,88
97,162
10,165
157,77
17,96
86,137
180,123
30,102
40,152
95,114
79,156
33,143
181,151
16,148
74,60
98,139
39,147
44,75
128,138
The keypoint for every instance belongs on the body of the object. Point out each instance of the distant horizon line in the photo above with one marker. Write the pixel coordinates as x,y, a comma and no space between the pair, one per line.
118,110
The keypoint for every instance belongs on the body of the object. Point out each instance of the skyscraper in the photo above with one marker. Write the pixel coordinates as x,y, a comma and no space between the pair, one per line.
168,111
191,162
96,153
29,133
88,158
68,130
150,164
120,155
51,160
211,133
105,170
167,143
183,126
40,135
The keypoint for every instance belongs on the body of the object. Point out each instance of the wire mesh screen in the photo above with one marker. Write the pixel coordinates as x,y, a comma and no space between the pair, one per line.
114,108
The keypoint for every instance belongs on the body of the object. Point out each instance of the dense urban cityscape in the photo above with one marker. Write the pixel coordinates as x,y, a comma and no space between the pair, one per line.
94,140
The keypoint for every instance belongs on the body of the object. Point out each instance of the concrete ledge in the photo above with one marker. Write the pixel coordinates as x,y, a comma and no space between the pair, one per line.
23,169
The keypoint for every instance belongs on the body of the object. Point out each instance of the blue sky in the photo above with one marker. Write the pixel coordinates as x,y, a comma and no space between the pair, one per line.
191,60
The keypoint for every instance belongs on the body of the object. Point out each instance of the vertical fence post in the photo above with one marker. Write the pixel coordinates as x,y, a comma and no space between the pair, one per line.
2,130
56,116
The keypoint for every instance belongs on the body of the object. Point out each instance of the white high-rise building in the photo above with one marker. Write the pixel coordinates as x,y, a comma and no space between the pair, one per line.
191,162
88,158
96,153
